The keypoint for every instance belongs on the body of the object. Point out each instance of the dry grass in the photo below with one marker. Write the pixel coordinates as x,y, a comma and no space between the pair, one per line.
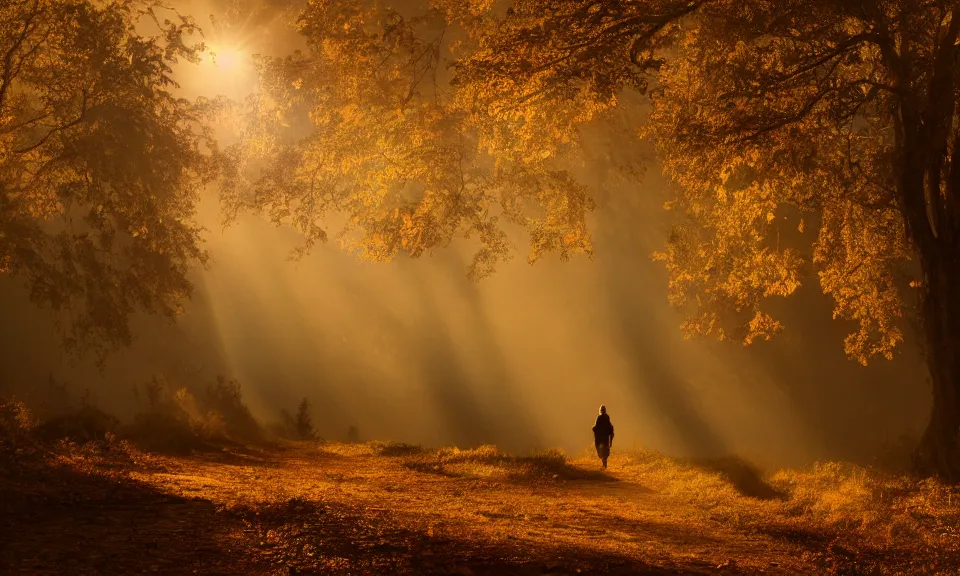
844,517
327,508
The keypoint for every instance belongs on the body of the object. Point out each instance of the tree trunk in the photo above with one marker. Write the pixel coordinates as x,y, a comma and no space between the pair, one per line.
938,453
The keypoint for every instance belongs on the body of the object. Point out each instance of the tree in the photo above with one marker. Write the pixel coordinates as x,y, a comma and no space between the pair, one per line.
854,123
353,434
365,126
771,115
100,164
304,422
802,136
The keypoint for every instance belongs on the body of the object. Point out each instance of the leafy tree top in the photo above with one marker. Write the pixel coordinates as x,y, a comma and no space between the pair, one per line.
100,163
787,128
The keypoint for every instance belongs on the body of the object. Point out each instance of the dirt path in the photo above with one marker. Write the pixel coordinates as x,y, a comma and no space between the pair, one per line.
337,509
472,520
340,509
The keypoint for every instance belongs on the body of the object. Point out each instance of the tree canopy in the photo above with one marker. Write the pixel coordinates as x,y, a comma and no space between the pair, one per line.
100,164
800,136
368,125
443,122
787,114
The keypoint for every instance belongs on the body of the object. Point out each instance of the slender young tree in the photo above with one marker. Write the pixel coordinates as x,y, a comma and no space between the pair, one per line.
304,421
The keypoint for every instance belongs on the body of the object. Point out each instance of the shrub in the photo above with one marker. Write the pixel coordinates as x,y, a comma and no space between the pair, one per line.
488,461
177,422
224,398
88,424
393,449
162,431
16,426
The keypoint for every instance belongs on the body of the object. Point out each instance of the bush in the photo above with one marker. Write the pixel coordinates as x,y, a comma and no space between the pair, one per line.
162,431
167,423
16,426
88,424
393,449
488,461
225,399
177,422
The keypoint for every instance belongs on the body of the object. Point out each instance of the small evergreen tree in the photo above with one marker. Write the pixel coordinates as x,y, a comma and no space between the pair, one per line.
288,426
303,421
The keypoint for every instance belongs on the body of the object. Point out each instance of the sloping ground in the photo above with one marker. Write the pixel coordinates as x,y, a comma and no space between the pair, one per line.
386,509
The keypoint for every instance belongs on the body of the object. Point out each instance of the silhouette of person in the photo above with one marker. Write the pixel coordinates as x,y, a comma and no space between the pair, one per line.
603,435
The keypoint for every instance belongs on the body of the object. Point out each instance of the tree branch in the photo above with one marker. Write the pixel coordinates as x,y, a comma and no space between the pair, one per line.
80,118
8,73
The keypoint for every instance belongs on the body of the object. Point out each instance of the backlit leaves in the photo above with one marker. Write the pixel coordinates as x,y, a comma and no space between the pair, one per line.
366,126
769,113
100,165
767,116
774,120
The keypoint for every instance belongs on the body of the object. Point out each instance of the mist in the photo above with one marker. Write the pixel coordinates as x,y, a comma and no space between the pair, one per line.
413,351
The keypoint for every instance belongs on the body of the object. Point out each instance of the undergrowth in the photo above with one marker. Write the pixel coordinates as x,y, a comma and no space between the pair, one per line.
833,506
17,426
172,420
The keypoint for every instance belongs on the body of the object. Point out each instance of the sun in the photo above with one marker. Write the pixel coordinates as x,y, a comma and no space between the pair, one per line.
226,58
228,62
224,69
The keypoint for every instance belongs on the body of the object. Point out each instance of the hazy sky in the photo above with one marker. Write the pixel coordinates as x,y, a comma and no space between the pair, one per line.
413,351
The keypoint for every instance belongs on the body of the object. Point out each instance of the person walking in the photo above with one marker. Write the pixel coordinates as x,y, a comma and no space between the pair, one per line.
603,435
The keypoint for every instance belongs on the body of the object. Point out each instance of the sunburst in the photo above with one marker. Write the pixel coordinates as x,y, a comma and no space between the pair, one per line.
231,38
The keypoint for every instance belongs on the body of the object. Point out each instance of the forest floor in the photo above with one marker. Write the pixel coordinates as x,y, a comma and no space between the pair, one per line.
375,508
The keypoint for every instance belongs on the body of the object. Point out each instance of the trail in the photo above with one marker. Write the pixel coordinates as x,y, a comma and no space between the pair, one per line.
310,509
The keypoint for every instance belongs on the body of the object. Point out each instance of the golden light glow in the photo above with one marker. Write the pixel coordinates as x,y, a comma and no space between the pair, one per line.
227,58
225,69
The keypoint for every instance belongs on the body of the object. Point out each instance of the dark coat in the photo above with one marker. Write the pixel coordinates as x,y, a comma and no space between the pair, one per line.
603,430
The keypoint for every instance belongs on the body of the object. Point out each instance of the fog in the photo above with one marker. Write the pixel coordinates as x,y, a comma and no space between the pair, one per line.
413,351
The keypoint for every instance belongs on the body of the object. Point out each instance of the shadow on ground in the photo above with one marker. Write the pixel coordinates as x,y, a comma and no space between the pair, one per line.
57,520
515,469
311,538
743,476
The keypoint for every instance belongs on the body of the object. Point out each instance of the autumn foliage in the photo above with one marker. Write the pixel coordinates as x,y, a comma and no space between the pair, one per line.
807,142
100,163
